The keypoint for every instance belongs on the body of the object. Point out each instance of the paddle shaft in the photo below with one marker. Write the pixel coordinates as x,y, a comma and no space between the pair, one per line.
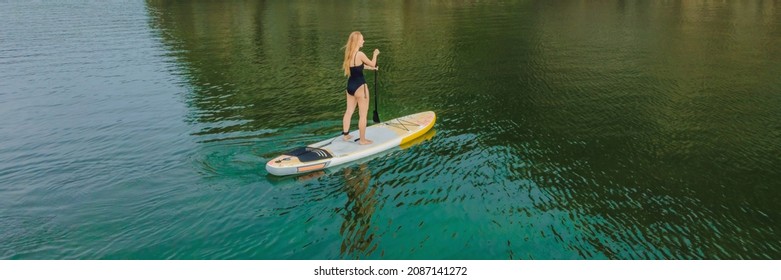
376,116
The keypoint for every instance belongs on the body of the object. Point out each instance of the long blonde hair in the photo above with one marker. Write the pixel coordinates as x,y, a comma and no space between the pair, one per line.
350,48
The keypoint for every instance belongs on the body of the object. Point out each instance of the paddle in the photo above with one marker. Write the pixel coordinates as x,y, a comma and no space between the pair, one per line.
376,116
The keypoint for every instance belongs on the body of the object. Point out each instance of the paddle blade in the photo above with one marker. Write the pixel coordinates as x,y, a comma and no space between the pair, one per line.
376,116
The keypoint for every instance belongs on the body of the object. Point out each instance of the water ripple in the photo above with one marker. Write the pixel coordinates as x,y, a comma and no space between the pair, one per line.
136,130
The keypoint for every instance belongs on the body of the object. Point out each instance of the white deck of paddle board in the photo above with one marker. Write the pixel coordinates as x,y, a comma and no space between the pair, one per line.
378,134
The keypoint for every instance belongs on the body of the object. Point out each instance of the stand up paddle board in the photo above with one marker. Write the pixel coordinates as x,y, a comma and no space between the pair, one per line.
336,151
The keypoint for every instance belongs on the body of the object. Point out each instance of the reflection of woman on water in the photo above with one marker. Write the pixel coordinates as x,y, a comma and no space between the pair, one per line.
353,64
355,230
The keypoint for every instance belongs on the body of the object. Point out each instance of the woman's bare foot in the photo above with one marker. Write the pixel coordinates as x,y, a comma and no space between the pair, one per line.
365,142
348,137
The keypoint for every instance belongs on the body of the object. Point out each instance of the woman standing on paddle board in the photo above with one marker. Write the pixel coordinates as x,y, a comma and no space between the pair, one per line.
357,90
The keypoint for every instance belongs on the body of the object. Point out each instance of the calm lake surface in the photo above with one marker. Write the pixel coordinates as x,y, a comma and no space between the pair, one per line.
566,130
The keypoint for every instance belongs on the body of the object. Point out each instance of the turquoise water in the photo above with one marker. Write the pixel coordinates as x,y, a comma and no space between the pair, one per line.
566,130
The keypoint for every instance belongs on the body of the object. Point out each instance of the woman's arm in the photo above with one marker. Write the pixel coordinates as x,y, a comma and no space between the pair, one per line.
366,61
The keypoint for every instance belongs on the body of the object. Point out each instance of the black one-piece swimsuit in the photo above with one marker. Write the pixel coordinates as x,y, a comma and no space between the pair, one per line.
356,78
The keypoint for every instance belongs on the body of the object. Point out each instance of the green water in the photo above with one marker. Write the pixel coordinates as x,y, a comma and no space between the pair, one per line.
566,130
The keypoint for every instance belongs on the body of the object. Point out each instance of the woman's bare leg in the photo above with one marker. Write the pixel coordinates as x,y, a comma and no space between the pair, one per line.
362,95
348,114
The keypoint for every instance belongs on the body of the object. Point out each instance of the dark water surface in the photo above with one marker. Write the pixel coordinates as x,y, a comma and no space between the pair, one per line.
566,130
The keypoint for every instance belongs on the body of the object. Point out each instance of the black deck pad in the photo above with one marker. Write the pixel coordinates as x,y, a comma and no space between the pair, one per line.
307,154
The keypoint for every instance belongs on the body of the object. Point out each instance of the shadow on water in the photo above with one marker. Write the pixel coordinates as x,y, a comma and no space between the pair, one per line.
357,230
